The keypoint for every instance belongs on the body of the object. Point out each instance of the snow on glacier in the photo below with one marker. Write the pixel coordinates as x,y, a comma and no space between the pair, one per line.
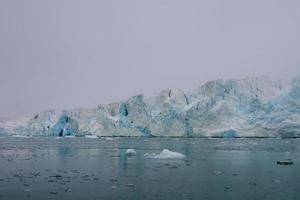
251,107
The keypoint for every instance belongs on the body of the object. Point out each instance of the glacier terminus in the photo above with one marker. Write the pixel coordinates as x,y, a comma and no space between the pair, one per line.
250,107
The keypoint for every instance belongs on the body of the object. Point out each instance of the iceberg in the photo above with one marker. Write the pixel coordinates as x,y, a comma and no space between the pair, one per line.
250,107
130,152
166,154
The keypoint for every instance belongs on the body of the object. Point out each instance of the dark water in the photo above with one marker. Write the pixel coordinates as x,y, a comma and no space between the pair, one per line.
82,168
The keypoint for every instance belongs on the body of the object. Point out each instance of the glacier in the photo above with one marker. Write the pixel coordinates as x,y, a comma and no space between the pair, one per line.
250,107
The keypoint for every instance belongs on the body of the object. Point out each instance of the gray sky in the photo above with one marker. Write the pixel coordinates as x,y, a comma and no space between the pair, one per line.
80,53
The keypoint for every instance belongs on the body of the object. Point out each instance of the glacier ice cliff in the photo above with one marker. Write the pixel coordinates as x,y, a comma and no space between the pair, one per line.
251,107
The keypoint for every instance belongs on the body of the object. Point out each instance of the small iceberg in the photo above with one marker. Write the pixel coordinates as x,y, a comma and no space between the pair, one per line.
91,136
131,152
166,154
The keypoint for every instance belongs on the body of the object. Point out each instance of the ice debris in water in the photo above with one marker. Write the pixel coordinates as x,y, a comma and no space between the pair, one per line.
91,136
69,136
131,152
21,136
166,154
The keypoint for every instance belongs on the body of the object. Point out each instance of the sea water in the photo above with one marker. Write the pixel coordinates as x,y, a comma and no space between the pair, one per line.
98,168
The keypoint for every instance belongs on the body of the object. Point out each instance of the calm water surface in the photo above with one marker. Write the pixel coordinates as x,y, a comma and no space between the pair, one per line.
83,168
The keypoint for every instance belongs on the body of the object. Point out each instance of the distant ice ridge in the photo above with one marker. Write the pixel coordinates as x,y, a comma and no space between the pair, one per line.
250,107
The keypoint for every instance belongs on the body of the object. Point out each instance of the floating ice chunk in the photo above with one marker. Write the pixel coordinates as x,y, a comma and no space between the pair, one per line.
131,152
166,154
69,136
21,136
149,155
277,181
91,136
218,172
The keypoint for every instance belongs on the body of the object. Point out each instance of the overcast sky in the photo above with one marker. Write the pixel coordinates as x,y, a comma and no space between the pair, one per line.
80,53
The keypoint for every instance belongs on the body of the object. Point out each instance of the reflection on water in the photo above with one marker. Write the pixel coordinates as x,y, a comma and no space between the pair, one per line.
81,168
